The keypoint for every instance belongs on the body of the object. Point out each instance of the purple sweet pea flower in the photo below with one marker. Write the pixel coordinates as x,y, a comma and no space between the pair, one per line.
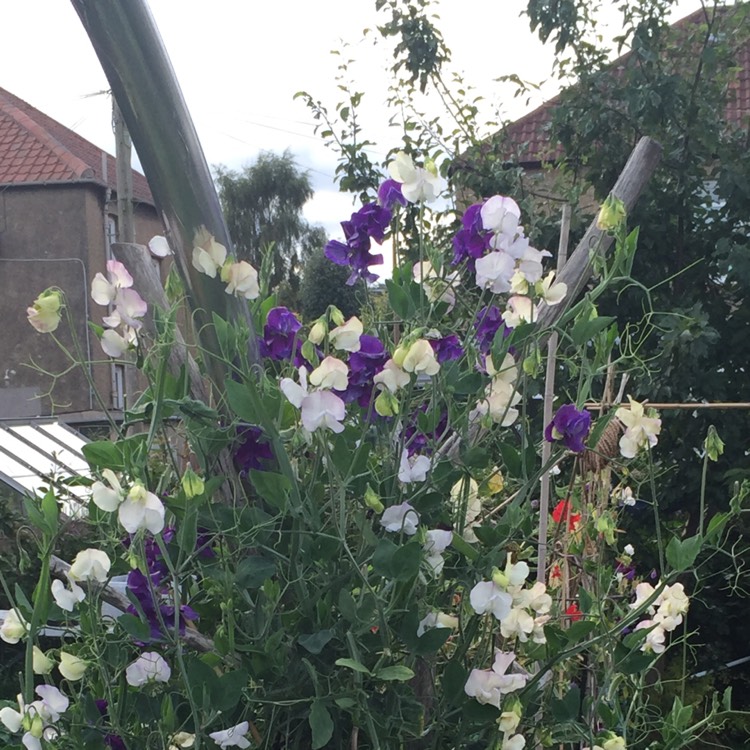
390,195
628,571
417,442
363,366
280,335
251,451
488,321
569,426
447,348
472,240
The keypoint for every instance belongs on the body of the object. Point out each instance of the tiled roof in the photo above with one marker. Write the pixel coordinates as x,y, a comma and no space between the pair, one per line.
34,148
528,138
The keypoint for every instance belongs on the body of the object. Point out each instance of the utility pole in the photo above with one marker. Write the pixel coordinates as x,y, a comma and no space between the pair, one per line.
123,151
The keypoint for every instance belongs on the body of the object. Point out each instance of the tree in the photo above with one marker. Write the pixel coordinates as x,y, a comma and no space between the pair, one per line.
263,205
324,284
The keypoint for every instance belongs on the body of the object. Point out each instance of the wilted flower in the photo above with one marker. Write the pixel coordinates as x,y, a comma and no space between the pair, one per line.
569,426
563,510
46,311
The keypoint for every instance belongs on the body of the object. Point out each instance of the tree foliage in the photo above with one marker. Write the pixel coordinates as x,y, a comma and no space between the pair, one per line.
263,205
324,284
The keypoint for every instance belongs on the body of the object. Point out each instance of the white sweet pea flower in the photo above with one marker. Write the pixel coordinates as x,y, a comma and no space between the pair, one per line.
436,542
640,430
148,667
551,293
674,600
517,624
330,373
346,337
104,290
417,184
435,288
509,721
516,742
41,663
67,598
209,255
114,345
436,620
490,685
241,280
233,737
537,634
520,310
494,271
46,311
655,639
418,358
624,495
536,599
37,716
629,549
14,627
398,518
518,283
486,596
413,469
643,592
391,377
295,393
109,494
318,332
530,264
159,247
614,743
71,667
501,215
502,398
90,565
323,409
141,509
182,740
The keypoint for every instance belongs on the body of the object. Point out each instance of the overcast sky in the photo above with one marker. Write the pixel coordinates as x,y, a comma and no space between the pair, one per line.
240,62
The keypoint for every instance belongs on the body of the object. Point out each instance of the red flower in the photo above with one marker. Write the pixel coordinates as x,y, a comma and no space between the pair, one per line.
563,510
573,612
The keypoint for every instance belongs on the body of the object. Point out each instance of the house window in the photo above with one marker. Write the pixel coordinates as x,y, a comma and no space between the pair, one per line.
118,387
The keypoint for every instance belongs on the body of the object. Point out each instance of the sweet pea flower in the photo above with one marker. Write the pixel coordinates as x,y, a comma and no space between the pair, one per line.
141,509
67,598
317,332
628,549
436,542
14,627
147,668
114,345
518,623
418,358
413,469
104,290
551,293
331,373
391,377
570,427
323,409
510,718
501,215
347,336
108,494
241,280
41,663
489,686
90,565
45,312
654,642
400,518
38,716
71,667
233,737
159,247
530,265
390,195
209,255
614,743
520,310
494,272
516,742
487,596
640,430
182,740
436,620
417,184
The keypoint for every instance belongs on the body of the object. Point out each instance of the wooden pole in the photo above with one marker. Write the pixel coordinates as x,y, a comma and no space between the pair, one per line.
124,154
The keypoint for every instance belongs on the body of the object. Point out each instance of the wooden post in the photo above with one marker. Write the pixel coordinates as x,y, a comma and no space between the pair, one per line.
123,152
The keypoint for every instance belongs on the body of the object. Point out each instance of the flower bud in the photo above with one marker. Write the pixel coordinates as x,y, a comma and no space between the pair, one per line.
41,663
386,404
499,578
372,500
71,667
337,317
714,445
611,214
192,484
318,331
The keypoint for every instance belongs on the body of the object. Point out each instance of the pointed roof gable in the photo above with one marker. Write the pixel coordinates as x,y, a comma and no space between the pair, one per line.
35,149
530,135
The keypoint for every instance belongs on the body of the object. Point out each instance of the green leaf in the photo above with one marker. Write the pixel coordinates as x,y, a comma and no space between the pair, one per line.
461,545
347,606
353,664
133,626
401,303
315,642
321,725
51,511
104,454
579,630
681,553
511,459
406,561
253,571
273,488
567,708
241,401
398,673
585,330
454,679
228,691
382,557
